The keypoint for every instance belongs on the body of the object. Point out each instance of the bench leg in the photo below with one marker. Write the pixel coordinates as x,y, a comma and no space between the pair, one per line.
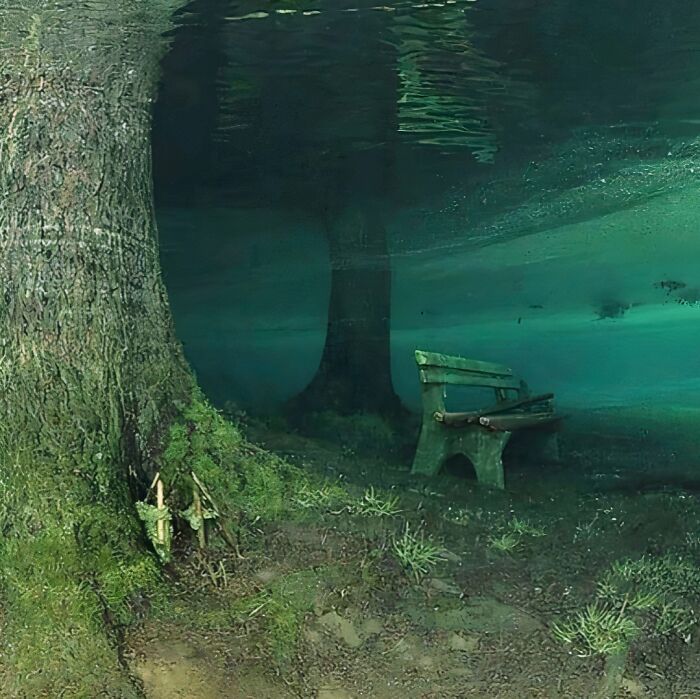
549,450
431,451
486,455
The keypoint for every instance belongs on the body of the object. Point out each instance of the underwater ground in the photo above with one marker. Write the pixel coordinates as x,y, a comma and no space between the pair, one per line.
580,580
537,169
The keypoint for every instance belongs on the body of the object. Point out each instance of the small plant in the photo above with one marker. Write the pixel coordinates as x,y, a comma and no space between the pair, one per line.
416,554
512,535
598,630
506,542
657,589
524,528
372,504
647,595
587,530
692,541
326,495
673,619
643,600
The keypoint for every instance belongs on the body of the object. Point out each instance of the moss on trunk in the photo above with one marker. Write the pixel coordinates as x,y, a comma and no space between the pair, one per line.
93,385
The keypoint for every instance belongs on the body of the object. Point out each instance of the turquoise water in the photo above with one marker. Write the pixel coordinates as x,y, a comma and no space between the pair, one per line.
535,164
254,319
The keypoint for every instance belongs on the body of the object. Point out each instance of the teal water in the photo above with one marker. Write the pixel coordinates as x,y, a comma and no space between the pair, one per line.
251,304
536,164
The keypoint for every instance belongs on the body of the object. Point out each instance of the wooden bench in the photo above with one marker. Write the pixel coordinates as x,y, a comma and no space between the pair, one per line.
480,435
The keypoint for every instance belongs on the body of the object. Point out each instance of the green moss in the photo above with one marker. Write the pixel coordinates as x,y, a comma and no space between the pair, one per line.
278,611
284,605
282,621
75,565
246,482
67,563
74,561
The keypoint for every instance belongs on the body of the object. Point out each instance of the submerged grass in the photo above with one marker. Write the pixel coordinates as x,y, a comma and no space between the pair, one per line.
417,555
597,630
505,543
652,596
660,589
372,504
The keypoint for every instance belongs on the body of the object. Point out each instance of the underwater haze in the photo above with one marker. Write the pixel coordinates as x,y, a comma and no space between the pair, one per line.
509,187
536,167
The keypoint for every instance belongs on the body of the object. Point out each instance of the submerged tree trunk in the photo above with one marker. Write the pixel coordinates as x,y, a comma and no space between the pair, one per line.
354,375
357,177
90,371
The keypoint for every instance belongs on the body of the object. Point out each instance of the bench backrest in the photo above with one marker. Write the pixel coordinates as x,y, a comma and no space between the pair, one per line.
439,370
444,369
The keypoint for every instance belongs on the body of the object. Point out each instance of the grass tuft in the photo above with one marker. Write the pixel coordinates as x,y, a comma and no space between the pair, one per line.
417,555
374,505
597,630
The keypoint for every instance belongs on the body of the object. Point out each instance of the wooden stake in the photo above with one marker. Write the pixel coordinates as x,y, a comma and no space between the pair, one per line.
201,533
160,502
205,492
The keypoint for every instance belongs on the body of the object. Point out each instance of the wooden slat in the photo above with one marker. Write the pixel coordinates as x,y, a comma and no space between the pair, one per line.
471,417
455,377
446,361
519,421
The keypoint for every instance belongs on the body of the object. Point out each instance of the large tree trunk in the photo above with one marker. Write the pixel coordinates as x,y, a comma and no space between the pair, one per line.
354,375
90,371
357,178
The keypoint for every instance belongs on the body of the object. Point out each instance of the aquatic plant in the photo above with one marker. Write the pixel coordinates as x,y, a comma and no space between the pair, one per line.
587,530
524,528
460,515
647,595
657,588
673,619
281,609
692,540
373,504
598,630
416,554
308,496
512,535
506,542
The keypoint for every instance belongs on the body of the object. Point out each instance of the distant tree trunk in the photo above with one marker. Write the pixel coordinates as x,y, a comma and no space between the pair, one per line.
355,184
355,370
90,371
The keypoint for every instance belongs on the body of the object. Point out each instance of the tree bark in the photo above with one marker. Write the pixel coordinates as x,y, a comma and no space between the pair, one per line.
90,371
357,180
354,375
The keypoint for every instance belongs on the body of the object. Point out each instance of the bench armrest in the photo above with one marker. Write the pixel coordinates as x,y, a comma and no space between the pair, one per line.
473,417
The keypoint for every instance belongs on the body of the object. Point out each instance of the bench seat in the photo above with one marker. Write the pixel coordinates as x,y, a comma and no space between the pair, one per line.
480,435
